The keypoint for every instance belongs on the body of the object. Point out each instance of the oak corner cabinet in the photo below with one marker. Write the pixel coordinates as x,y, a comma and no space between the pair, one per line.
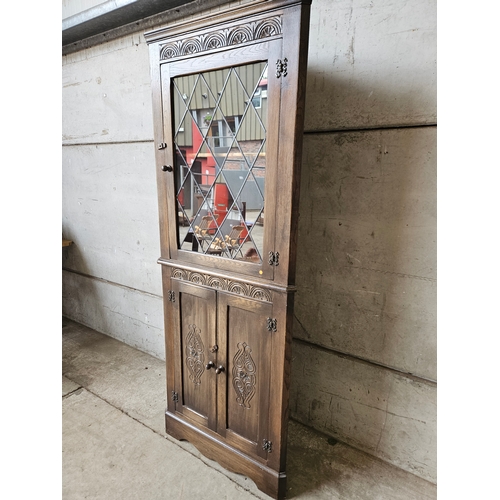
228,109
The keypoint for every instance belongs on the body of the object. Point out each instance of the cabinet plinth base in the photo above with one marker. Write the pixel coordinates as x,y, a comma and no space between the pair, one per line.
269,481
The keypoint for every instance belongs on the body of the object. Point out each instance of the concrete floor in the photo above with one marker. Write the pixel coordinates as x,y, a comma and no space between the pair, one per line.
115,446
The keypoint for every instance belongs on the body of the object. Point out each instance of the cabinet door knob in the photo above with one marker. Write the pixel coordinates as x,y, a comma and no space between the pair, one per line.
209,365
219,369
167,168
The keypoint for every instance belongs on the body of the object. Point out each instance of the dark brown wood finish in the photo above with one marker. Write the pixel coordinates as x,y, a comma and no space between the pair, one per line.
228,322
266,478
295,31
159,153
170,338
194,319
245,346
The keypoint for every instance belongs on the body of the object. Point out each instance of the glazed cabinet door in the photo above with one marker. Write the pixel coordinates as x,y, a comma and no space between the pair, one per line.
244,387
194,337
221,124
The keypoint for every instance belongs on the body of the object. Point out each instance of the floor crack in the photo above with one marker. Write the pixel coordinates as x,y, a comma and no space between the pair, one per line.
77,390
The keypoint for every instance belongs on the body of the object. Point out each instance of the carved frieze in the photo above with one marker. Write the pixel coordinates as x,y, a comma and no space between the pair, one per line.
224,284
227,37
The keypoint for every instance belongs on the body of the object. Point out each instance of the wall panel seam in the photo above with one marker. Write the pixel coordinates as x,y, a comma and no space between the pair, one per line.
306,132
113,283
359,359
110,143
368,129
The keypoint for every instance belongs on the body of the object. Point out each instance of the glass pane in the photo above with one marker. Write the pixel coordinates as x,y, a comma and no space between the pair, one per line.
219,121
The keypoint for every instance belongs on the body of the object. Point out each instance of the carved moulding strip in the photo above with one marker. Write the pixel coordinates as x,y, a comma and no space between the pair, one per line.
244,33
224,284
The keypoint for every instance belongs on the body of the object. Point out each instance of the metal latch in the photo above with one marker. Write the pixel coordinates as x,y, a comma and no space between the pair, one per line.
274,258
281,67
272,324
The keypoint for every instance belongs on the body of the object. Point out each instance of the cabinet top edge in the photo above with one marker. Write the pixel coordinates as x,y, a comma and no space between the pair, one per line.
271,285
239,12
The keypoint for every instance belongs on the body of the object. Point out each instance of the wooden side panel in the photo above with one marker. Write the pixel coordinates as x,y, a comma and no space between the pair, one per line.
243,393
295,29
165,179
194,337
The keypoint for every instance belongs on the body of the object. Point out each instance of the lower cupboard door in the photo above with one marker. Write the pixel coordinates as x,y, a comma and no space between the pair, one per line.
195,330
243,406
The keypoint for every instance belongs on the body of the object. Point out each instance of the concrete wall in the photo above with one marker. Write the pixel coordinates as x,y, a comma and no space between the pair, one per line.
366,276
364,368
111,281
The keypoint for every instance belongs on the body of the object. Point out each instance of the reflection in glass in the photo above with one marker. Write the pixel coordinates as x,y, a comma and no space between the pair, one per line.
219,121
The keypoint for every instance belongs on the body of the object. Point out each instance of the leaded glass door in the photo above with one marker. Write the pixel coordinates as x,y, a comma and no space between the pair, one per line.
223,172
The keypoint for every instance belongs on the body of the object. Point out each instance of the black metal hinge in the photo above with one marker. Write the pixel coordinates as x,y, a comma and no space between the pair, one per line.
175,397
272,324
274,258
281,67
171,296
162,145
267,446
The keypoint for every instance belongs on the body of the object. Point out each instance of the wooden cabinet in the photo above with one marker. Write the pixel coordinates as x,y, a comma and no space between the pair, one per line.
223,366
228,101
